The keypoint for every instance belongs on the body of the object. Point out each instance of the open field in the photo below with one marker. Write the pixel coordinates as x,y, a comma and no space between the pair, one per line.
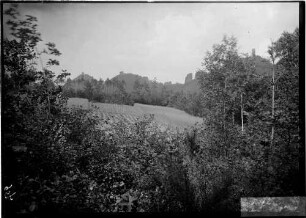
164,115
169,115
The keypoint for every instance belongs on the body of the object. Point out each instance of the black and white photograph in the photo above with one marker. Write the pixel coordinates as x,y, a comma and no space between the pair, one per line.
152,107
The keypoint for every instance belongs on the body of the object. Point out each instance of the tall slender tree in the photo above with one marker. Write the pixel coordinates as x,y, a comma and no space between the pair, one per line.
273,55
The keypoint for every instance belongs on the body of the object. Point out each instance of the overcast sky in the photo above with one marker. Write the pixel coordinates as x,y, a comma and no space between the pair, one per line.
162,40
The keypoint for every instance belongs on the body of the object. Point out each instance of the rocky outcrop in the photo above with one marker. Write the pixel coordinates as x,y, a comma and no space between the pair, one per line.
188,78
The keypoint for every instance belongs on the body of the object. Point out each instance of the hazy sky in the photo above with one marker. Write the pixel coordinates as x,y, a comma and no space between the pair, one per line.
162,40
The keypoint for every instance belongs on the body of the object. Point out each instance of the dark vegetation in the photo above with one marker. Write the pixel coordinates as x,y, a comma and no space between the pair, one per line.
57,159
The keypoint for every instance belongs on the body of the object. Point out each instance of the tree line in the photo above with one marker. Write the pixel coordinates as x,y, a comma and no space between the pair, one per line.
144,92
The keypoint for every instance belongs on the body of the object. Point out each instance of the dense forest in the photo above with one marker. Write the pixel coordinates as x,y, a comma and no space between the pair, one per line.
55,159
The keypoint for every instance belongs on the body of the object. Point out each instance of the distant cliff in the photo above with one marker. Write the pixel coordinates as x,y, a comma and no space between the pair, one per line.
188,78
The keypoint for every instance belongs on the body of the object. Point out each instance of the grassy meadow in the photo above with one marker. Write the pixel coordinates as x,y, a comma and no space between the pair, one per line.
163,115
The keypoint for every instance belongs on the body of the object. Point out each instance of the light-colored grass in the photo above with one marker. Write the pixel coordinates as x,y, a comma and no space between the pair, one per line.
78,102
119,109
163,115
169,115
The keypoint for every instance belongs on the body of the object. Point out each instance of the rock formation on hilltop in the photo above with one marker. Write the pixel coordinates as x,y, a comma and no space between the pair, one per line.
188,78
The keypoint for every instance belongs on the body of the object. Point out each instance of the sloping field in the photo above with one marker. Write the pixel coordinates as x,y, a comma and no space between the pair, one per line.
78,102
169,115
163,115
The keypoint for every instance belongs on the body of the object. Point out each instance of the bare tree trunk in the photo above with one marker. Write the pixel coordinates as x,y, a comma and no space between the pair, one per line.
273,96
272,53
241,105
